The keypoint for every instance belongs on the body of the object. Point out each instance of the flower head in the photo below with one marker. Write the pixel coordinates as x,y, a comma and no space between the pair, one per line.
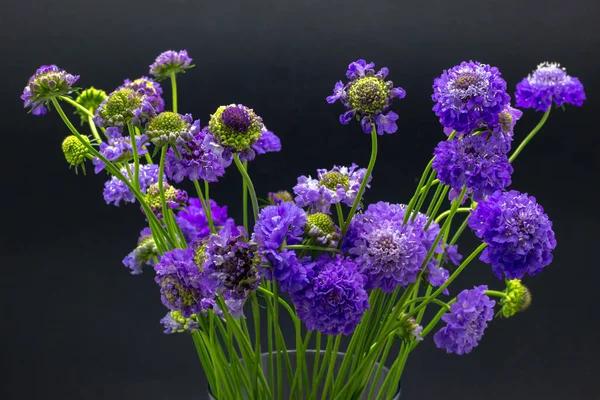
276,198
193,222
144,253
321,227
236,126
48,82
340,184
124,106
174,197
182,285
502,134
172,128
549,83
518,298
268,142
368,97
116,190
469,94
518,233
75,152
145,86
466,321
474,161
201,158
170,62
90,99
175,322
334,300
118,149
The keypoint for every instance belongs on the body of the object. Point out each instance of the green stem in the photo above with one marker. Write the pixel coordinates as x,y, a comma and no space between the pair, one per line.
245,199
174,91
530,136
77,105
166,212
136,158
363,184
248,181
460,230
447,212
94,130
496,293
209,217
419,191
306,247
438,205
386,351
340,214
330,371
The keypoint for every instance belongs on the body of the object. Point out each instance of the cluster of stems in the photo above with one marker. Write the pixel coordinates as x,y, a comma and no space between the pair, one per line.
234,361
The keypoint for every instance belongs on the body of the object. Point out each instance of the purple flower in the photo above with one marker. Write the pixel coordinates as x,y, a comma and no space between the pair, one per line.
47,83
335,300
174,198
340,184
268,142
291,273
199,158
119,149
518,233
238,128
193,222
172,128
276,198
474,161
182,285
116,190
368,97
125,106
388,252
170,62
174,322
502,134
466,321
469,94
231,261
144,254
322,229
145,86
549,83
437,276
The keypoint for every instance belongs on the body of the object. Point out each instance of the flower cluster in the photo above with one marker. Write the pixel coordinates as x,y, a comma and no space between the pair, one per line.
118,148
124,106
173,197
368,97
116,190
149,88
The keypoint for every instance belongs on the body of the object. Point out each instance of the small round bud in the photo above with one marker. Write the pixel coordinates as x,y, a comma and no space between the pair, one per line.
368,95
170,62
48,82
282,196
518,298
332,179
409,329
90,99
236,126
120,108
173,197
321,227
172,128
75,152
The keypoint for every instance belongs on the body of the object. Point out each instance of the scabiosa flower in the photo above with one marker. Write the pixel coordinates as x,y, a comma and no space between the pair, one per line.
193,222
549,83
502,134
173,197
466,321
276,198
518,298
47,83
118,149
116,190
321,227
182,284
236,126
409,329
172,128
340,184
518,233
368,97
145,86
200,158
144,253
279,224
335,300
437,276
124,106
474,161
175,322
231,260
388,252
75,152
90,99
469,94
170,62
268,142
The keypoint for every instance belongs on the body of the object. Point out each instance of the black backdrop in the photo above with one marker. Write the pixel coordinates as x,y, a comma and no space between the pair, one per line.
76,325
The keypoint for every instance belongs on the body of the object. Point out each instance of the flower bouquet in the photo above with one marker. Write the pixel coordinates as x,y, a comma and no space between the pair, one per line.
318,258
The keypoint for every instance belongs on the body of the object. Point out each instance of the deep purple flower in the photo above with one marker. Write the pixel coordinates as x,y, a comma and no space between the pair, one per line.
549,83
335,300
268,142
388,252
474,161
231,260
144,253
193,222
367,97
170,62
518,233
291,273
150,88
200,158
279,224
237,127
502,134
172,128
469,94
340,184
47,83
182,285
118,149
116,190
466,321
125,106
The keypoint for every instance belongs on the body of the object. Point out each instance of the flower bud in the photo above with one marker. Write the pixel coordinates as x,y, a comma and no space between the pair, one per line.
518,298
75,152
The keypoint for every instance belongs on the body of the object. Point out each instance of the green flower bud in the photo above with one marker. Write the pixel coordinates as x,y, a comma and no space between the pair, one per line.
90,99
518,298
321,227
75,152
332,179
368,95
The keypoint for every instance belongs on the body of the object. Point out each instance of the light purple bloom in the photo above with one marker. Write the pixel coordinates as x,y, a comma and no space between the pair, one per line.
47,83
119,149
170,62
145,86
268,142
116,190
193,223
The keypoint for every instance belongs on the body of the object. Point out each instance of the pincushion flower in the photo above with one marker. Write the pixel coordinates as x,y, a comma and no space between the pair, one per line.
116,190
335,300
124,106
276,198
144,253
518,298
201,158
466,321
469,94
174,198
322,229
76,152
340,184
472,161
172,128
193,223
518,233
368,97
236,127
547,84
182,284
90,99
175,322
268,142
145,86
502,134
170,62
48,82
118,149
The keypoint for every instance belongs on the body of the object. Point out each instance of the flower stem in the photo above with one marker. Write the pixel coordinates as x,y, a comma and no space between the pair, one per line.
94,130
363,184
306,247
245,198
530,136
136,158
174,91
205,206
248,181
447,212
496,293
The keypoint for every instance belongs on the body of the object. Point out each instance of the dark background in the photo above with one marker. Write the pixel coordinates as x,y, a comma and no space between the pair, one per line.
76,325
